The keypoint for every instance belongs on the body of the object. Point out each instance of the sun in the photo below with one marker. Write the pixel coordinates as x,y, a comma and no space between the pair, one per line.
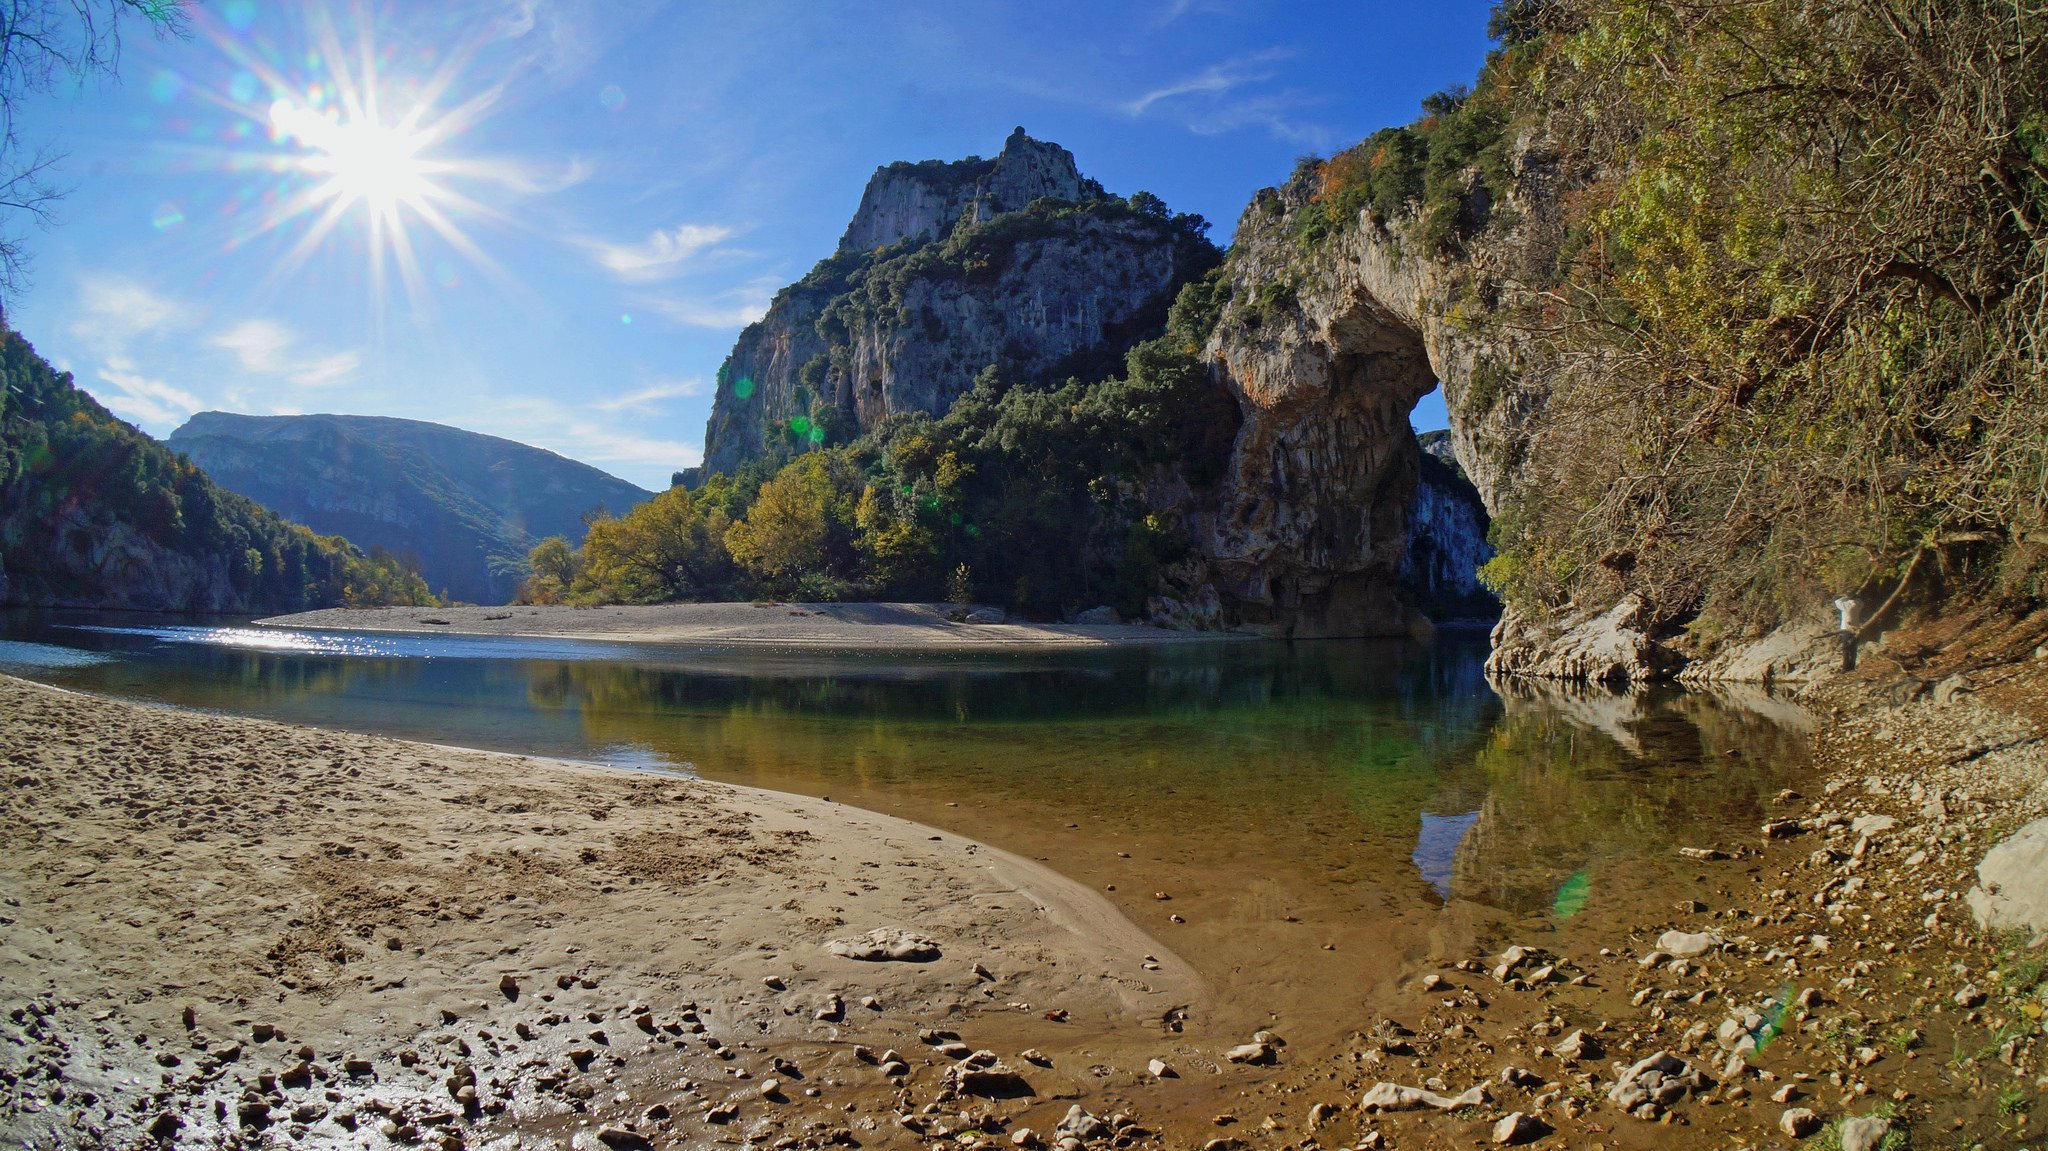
360,140
360,159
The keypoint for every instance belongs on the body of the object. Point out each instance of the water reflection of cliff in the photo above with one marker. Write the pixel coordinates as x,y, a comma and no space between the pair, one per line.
1579,779
1371,777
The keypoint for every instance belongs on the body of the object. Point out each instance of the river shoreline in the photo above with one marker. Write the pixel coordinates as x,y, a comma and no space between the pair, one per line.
823,626
208,904
1836,939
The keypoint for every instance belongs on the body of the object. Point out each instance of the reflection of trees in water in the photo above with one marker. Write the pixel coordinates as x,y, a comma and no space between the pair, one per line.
1125,684
1251,744
1581,777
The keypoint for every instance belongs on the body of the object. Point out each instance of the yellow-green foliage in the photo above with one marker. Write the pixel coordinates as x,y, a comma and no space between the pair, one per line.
1798,341
801,523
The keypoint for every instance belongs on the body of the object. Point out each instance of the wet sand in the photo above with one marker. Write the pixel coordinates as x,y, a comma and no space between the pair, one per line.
425,910
839,626
260,875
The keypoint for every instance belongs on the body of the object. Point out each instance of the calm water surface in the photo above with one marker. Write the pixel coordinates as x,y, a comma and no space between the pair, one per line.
1313,811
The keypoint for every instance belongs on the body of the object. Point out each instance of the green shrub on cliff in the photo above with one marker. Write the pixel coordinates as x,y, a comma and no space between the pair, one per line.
1797,324
94,513
897,513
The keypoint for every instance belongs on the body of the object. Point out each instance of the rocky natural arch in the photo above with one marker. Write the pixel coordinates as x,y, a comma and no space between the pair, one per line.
1327,350
1313,523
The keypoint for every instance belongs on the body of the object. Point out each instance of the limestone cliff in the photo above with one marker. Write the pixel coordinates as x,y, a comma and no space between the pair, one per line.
1327,343
946,270
924,201
1447,525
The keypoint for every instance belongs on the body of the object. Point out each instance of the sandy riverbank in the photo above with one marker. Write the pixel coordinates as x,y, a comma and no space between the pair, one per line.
260,874
586,943
844,626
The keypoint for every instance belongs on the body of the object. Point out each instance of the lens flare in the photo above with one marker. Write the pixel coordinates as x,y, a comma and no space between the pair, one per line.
350,139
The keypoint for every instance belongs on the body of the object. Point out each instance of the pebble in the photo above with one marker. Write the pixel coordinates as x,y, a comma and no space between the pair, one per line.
1519,1128
1798,1122
1249,1053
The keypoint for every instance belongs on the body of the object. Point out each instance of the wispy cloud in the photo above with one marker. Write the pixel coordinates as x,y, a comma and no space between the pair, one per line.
663,254
267,347
604,445
1223,77
142,399
1175,9
114,310
605,441
536,180
649,397
1223,97
732,308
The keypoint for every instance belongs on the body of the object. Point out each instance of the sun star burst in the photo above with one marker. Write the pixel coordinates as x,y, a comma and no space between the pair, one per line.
341,162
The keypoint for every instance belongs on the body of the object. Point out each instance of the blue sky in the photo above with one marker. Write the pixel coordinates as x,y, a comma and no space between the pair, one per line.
571,207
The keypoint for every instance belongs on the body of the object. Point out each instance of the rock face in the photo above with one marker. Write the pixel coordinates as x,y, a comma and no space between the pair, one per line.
1447,524
946,270
924,201
1611,646
1327,347
1796,652
465,504
2012,891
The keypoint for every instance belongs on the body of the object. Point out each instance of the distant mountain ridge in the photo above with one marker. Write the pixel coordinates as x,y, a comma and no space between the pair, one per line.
95,514
466,507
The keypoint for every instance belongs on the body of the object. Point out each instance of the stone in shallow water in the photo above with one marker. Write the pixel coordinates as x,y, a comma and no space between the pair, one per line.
1395,1097
884,944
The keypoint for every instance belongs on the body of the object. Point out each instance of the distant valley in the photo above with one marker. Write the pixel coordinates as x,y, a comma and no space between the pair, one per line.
465,507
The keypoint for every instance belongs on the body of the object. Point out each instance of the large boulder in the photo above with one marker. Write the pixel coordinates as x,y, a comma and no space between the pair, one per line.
2012,883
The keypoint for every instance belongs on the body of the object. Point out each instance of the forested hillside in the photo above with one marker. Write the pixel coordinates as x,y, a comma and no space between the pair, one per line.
464,508
95,514
1738,308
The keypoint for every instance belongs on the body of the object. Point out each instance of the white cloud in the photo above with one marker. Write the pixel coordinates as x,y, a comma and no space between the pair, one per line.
258,344
612,444
114,310
266,347
648,397
605,445
144,400
1213,101
1175,9
1215,79
661,255
733,308
533,180
331,369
